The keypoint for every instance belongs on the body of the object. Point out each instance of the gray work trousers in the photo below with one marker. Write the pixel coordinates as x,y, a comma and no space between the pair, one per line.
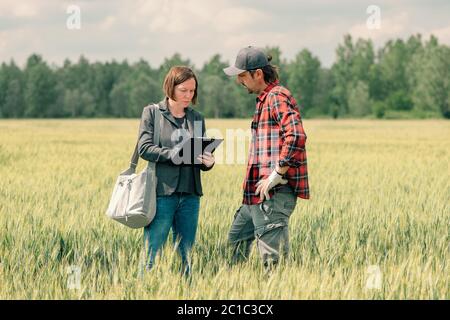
266,222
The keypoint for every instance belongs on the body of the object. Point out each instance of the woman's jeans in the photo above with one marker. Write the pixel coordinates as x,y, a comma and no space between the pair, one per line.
178,211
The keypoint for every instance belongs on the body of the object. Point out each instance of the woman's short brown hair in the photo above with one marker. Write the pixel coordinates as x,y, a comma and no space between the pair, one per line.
176,76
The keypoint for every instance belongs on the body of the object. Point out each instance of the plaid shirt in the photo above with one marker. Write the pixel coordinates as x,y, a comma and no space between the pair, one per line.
277,137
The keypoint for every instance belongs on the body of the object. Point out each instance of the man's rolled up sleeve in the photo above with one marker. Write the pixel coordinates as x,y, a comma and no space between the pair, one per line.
292,133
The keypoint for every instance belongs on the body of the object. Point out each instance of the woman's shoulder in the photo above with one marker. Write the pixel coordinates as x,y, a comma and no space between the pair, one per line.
149,110
151,106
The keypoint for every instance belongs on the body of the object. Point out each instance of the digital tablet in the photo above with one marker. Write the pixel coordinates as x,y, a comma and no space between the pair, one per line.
193,147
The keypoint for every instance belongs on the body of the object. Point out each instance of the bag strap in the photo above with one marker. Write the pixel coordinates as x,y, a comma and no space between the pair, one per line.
156,136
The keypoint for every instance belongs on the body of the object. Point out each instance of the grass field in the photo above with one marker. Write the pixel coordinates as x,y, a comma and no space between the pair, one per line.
379,199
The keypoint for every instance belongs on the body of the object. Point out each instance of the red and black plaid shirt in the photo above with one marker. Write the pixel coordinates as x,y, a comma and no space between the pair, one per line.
277,137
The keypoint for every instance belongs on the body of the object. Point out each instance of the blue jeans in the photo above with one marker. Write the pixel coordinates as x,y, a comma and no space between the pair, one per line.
179,212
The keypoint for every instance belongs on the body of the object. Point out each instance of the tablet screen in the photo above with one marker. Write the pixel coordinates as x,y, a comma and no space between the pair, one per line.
194,147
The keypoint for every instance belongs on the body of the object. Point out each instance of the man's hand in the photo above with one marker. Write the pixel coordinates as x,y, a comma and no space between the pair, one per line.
264,185
207,159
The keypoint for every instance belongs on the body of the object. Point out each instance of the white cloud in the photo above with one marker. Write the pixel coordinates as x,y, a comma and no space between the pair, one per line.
169,16
22,42
443,34
107,23
2,43
197,29
19,9
391,27
25,10
238,41
195,16
237,19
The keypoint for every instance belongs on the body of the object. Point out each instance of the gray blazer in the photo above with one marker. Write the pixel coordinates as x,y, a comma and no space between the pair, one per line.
167,172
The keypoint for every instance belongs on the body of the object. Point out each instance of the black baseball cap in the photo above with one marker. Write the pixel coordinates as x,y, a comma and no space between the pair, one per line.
248,58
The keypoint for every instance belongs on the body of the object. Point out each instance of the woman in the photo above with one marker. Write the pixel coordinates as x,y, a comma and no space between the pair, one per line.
179,186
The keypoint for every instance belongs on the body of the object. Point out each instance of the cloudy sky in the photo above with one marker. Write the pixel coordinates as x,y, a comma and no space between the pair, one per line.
198,29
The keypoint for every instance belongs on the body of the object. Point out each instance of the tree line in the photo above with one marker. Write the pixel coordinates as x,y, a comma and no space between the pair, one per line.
403,79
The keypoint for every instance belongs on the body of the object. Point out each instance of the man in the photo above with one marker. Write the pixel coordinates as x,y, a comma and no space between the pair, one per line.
276,172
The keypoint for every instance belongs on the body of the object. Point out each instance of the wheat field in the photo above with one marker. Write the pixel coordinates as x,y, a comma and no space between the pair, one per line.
379,201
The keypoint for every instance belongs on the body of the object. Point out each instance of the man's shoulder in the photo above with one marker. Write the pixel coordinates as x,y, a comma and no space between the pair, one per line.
280,90
279,96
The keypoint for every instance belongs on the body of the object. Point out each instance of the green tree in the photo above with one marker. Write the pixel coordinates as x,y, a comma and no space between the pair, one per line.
399,100
143,91
353,64
212,103
14,103
303,78
104,78
342,74
362,60
40,93
78,104
120,97
215,67
323,102
218,96
11,90
393,80
359,104
431,93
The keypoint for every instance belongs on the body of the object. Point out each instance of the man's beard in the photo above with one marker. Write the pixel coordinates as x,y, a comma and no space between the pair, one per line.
250,91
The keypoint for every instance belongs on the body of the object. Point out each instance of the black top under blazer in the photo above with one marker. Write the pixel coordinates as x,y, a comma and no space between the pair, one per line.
167,172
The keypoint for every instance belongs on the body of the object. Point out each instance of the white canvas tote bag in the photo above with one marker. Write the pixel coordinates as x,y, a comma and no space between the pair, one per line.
133,200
